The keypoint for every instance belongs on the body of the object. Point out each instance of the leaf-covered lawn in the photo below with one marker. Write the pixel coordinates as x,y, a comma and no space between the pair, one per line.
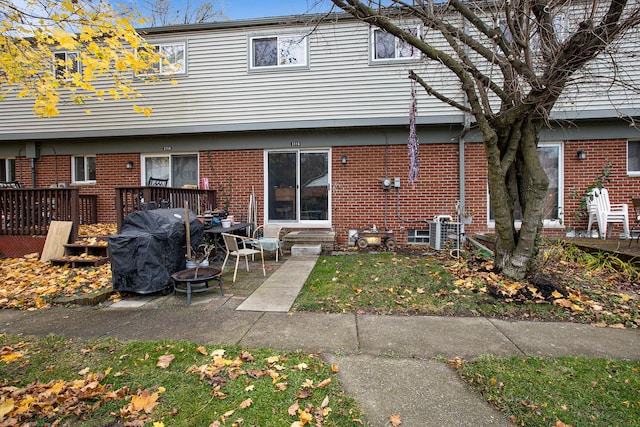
563,288
64,382
30,284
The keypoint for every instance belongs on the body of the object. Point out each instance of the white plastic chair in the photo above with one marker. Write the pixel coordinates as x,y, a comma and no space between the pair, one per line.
269,237
607,213
592,210
231,243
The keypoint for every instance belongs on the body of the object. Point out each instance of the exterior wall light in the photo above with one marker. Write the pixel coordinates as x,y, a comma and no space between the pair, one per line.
129,165
343,160
582,154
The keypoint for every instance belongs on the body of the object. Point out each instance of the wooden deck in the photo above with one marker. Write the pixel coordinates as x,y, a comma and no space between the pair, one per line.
628,250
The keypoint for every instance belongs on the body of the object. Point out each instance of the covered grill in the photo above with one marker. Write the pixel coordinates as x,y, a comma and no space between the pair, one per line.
151,247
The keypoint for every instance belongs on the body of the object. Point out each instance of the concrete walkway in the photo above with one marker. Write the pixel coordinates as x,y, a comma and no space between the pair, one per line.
388,363
281,289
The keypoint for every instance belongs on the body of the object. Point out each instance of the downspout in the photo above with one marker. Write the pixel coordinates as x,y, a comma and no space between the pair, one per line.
33,172
55,164
21,164
466,125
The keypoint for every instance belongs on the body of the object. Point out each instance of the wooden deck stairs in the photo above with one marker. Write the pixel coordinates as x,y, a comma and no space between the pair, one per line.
89,252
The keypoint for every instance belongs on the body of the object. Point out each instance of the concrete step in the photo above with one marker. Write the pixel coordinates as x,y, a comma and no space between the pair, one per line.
305,250
325,238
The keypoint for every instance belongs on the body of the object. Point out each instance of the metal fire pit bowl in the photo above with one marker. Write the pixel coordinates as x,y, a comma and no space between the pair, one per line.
193,280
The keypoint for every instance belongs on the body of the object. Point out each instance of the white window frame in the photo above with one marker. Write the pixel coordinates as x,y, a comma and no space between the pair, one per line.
632,173
9,168
280,45
164,68
144,177
547,223
71,64
86,179
399,44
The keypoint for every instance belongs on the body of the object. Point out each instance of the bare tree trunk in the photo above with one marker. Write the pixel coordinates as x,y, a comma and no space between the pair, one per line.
515,248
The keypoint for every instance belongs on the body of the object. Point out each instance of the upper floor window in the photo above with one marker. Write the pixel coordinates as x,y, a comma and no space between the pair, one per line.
387,47
173,60
65,64
633,158
278,51
7,170
83,169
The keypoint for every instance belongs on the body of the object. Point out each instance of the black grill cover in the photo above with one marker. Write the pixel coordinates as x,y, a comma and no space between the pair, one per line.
151,247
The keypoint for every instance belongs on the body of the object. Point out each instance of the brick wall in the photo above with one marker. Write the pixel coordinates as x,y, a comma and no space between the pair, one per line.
580,174
111,171
358,199
243,169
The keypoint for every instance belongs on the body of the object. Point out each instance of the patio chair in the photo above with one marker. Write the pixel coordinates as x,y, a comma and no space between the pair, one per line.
607,213
592,210
10,184
232,247
157,182
269,237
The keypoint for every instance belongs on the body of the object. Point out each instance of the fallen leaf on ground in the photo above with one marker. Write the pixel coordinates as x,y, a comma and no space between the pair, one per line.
146,401
395,420
165,360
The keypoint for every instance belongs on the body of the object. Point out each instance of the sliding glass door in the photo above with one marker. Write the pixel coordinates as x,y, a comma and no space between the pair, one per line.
298,186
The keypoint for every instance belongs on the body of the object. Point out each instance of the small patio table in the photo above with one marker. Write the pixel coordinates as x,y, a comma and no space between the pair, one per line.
214,235
194,280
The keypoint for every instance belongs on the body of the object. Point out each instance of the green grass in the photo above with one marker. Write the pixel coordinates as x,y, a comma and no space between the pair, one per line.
578,391
421,285
189,397
380,284
400,284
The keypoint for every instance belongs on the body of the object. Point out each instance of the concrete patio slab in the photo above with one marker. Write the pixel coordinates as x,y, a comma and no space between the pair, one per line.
133,302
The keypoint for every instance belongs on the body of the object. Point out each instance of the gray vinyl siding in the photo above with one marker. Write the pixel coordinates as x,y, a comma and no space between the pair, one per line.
220,90
339,87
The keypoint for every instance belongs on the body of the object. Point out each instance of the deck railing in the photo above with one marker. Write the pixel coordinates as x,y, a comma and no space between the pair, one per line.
29,211
131,199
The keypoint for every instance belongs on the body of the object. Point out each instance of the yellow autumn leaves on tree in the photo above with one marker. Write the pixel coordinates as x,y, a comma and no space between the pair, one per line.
55,51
